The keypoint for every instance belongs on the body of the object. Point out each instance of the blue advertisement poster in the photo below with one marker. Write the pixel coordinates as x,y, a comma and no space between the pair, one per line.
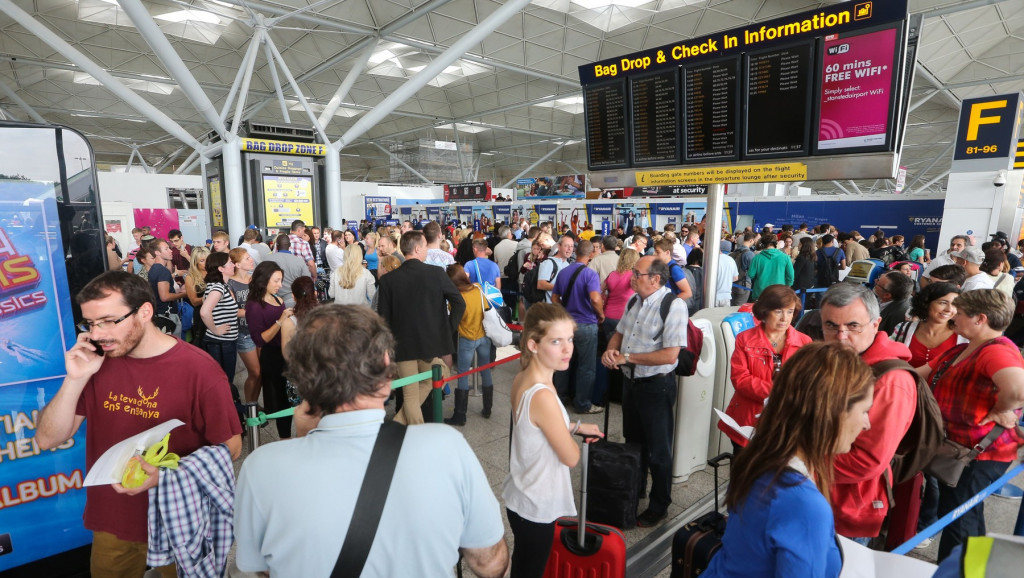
560,187
41,495
378,208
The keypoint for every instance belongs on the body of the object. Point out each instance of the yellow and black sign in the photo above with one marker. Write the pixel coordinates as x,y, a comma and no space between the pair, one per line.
1018,160
988,127
256,145
765,173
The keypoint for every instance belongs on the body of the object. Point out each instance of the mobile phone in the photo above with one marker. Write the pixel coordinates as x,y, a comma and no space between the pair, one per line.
96,344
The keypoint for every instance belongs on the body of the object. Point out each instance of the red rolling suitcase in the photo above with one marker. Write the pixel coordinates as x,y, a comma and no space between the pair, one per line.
599,552
905,511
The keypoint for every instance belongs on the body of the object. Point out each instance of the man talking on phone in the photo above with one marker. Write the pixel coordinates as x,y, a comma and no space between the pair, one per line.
117,377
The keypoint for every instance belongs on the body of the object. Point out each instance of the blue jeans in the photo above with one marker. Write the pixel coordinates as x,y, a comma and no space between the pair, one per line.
648,419
584,359
976,476
467,347
225,354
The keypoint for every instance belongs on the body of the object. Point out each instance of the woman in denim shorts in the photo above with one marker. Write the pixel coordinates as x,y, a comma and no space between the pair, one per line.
239,283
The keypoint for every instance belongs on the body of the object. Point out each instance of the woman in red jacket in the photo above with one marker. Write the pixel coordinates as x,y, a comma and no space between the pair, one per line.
759,355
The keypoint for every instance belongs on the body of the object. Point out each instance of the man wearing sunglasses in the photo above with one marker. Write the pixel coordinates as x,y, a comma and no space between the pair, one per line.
850,316
118,377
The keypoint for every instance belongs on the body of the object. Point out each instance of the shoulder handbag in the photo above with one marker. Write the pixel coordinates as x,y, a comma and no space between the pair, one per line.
491,293
370,504
948,464
494,326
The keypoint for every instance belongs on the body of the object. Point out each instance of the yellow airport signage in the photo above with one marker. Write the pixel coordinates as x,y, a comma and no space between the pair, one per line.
763,173
256,145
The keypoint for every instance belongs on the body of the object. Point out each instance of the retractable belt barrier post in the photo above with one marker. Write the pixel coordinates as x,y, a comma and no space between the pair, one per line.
958,511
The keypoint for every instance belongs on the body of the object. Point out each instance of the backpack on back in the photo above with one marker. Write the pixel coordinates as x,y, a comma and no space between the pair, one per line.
737,256
926,434
511,270
531,292
828,268
688,356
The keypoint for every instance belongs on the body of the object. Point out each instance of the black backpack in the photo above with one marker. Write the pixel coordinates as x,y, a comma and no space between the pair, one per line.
512,267
828,268
531,292
688,356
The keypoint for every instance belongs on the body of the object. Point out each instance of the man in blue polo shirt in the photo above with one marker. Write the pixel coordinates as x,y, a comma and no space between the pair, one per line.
482,269
578,289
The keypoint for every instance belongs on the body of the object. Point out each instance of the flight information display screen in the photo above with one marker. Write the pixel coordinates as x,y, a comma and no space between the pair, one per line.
778,94
607,125
712,110
654,110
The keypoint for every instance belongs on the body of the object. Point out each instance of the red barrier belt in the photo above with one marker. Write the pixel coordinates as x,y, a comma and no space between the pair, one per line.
438,384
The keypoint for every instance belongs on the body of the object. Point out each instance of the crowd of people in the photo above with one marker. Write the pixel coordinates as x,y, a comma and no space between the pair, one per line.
324,320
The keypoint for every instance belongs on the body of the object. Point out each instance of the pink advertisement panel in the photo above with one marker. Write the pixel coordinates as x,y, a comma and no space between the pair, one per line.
159,221
856,90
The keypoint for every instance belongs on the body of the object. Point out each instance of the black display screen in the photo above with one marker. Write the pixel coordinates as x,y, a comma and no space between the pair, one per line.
607,126
712,110
778,94
654,105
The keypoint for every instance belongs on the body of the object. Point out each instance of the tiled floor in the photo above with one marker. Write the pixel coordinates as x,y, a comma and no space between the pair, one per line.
489,439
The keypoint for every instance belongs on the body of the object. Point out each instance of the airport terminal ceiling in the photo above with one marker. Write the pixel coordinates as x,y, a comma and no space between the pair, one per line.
511,100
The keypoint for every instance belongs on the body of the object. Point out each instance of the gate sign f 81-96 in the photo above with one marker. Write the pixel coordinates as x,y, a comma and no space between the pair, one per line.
988,130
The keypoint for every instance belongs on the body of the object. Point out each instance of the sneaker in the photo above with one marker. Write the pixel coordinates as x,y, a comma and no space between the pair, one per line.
591,410
924,544
650,518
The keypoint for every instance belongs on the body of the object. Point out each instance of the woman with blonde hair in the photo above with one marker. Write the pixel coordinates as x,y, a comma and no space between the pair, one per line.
617,290
780,520
538,489
239,284
372,260
352,284
195,288
388,264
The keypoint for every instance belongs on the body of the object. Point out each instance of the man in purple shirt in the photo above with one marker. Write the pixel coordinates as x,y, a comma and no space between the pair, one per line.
578,289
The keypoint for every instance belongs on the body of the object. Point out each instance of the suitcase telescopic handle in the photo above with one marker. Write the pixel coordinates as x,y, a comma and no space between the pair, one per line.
715,462
581,529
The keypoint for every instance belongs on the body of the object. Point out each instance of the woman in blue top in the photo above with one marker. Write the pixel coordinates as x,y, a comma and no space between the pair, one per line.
780,521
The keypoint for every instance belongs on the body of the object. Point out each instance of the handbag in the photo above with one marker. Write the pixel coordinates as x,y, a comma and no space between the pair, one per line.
948,464
372,496
494,326
491,293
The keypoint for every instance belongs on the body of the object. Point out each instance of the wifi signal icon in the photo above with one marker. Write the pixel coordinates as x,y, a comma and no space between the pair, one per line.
829,130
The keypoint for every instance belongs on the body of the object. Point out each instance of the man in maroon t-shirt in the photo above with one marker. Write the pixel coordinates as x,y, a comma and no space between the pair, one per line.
126,376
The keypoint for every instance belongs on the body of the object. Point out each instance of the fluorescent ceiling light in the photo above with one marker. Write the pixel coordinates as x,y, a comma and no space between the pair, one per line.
399,61
132,83
190,15
468,128
598,4
571,104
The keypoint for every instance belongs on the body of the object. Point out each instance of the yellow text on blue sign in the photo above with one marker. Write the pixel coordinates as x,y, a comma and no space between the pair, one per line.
255,145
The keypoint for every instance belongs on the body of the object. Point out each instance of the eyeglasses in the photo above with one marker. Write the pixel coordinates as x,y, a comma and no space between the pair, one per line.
87,326
638,273
851,328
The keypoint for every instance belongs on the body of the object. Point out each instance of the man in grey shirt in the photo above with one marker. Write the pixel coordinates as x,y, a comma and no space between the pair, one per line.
292,265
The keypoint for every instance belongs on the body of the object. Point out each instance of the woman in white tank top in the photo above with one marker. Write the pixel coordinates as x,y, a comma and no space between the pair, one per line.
538,490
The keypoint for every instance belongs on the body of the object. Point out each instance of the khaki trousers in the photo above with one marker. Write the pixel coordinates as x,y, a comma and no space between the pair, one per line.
116,558
414,394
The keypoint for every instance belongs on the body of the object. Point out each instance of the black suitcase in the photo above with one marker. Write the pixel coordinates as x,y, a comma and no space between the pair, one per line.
614,483
697,542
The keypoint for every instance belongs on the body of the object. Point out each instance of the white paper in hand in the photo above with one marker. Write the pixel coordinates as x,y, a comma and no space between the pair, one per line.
110,467
861,562
747,431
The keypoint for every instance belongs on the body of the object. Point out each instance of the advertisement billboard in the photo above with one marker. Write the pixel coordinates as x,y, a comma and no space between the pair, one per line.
479,191
377,208
564,187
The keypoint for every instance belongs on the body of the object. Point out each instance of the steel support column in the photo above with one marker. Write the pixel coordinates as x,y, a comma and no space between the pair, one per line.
712,241
533,166
332,185
346,85
234,192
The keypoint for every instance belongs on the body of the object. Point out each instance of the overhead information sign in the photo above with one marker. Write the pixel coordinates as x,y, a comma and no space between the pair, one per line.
287,198
823,82
988,129
723,174
256,145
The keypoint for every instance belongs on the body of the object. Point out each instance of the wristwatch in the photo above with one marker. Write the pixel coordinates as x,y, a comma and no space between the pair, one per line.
626,357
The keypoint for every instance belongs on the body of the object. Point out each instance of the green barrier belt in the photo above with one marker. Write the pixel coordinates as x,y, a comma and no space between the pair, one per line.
262,418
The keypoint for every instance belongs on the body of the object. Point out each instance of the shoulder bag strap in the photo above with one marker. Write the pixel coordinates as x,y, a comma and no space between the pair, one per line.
572,280
370,504
996,431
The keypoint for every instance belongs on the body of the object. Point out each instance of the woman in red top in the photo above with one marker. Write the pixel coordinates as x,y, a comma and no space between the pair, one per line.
759,355
977,385
929,333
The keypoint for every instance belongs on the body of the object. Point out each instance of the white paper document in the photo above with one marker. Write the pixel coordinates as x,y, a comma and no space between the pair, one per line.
747,431
110,467
862,562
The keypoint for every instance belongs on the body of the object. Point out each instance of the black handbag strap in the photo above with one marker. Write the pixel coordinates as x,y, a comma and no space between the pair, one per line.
996,431
572,282
370,504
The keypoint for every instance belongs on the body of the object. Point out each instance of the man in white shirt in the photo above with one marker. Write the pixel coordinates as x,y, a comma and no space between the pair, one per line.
970,259
249,238
957,243
505,249
728,273
553,265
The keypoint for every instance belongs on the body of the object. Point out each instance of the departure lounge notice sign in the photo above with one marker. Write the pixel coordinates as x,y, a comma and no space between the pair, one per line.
824,82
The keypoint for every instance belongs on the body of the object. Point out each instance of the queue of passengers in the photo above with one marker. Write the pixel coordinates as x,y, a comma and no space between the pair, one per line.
816,466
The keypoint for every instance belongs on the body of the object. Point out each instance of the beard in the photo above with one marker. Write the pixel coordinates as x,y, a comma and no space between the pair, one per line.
130,341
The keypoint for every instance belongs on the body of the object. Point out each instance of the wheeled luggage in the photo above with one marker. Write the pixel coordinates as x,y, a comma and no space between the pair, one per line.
614,482
904,511
599,552
697,542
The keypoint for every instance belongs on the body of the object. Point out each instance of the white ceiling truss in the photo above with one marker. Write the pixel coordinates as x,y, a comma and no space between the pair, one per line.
513,95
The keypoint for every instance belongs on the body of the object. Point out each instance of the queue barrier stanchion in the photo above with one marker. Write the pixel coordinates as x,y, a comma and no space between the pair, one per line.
254,429
957,512
438,382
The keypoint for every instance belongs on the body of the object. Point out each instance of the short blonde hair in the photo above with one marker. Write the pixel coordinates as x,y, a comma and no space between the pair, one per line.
996,305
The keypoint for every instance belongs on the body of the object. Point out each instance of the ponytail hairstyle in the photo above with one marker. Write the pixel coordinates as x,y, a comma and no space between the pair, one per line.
539,319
